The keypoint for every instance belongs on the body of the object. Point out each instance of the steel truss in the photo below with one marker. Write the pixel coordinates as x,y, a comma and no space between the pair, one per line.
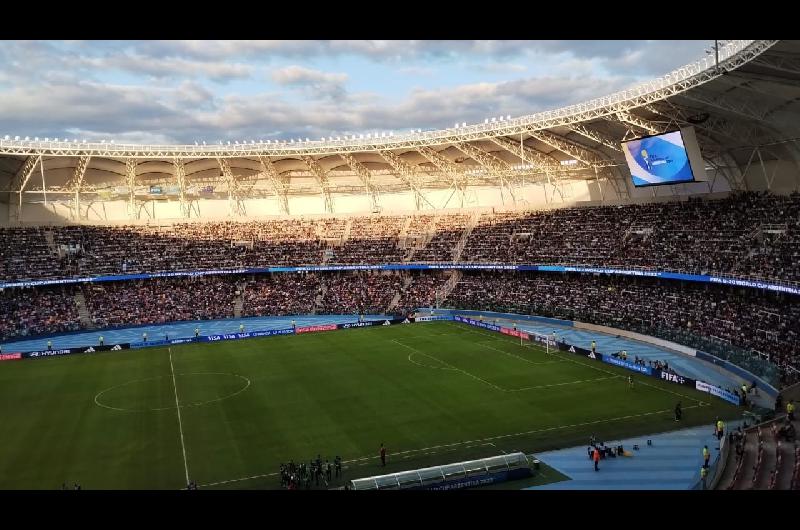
235,203
322,178
280,184
408,174
458,178
493,165
679,81
75,183
366,177
130,177
180,177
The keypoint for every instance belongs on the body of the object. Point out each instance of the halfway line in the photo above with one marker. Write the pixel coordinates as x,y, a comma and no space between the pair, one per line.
180,424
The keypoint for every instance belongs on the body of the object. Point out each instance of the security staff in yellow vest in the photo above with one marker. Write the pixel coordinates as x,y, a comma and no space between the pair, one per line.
706,456
720,427
790,410
594,346
703,475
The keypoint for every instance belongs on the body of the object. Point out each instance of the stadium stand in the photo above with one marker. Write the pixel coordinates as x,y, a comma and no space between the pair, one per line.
733,236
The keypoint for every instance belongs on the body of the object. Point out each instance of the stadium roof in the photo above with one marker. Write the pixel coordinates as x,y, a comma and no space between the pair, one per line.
743,104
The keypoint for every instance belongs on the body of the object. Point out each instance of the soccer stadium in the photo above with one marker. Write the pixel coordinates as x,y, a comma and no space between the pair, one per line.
602,295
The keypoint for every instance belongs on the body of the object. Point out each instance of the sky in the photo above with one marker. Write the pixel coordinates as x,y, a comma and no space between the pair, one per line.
186,91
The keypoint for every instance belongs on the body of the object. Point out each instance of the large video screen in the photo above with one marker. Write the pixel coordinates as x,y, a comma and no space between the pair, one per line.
661,159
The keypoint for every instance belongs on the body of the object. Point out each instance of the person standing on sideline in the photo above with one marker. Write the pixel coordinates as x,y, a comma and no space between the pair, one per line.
294,324
49,344
630,381
790,410
703,475
383,456
101,340
596,458
241,328
594,347
196,332
678,411
144,336
706,456
720,427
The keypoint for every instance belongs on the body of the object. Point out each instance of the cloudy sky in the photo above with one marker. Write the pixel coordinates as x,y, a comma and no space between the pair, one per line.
186,91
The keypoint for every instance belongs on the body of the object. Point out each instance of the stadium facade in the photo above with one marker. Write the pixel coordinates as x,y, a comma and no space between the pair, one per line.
742,104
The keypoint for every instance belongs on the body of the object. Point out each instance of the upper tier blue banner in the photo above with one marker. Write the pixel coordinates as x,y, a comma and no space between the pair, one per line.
421,266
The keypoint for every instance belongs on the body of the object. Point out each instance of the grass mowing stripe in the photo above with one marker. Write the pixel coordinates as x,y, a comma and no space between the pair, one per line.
363,460
180,423
450,365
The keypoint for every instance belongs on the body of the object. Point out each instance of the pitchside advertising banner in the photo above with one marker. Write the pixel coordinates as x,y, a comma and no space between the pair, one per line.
646,370
427,266
10,356
70,351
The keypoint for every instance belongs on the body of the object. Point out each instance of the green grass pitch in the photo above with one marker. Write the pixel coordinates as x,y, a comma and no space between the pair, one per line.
434,393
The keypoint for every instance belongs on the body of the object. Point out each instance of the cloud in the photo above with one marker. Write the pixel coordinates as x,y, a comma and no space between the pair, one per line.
168,67
321,84
495,67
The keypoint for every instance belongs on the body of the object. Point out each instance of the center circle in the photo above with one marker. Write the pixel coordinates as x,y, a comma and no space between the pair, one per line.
158,393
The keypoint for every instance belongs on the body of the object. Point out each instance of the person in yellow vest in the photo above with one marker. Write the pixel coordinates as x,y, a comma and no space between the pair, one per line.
241,328
703,475
790,410
101,340
720,428
706,456
594,346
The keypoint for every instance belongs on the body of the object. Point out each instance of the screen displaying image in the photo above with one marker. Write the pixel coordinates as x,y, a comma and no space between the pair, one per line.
659,159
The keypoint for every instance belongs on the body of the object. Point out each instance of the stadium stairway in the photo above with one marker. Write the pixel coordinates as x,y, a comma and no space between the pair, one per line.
672,463
83,311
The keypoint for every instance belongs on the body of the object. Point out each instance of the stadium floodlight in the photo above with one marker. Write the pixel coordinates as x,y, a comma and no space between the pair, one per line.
6,137
36,139
463,124
46,138
16,138
360,136
307,140
204,142
508,117
494,120
84,141
27,138
229,142
486,120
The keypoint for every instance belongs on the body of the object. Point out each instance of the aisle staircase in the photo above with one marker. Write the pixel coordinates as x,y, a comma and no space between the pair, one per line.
473,222
83,311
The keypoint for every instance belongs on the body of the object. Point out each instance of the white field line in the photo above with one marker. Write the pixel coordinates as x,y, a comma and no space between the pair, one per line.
365,460
516,356
562,384
613,376
410,355
450,365
639,381
180,423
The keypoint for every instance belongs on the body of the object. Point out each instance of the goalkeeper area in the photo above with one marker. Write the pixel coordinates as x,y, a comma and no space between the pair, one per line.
226,415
